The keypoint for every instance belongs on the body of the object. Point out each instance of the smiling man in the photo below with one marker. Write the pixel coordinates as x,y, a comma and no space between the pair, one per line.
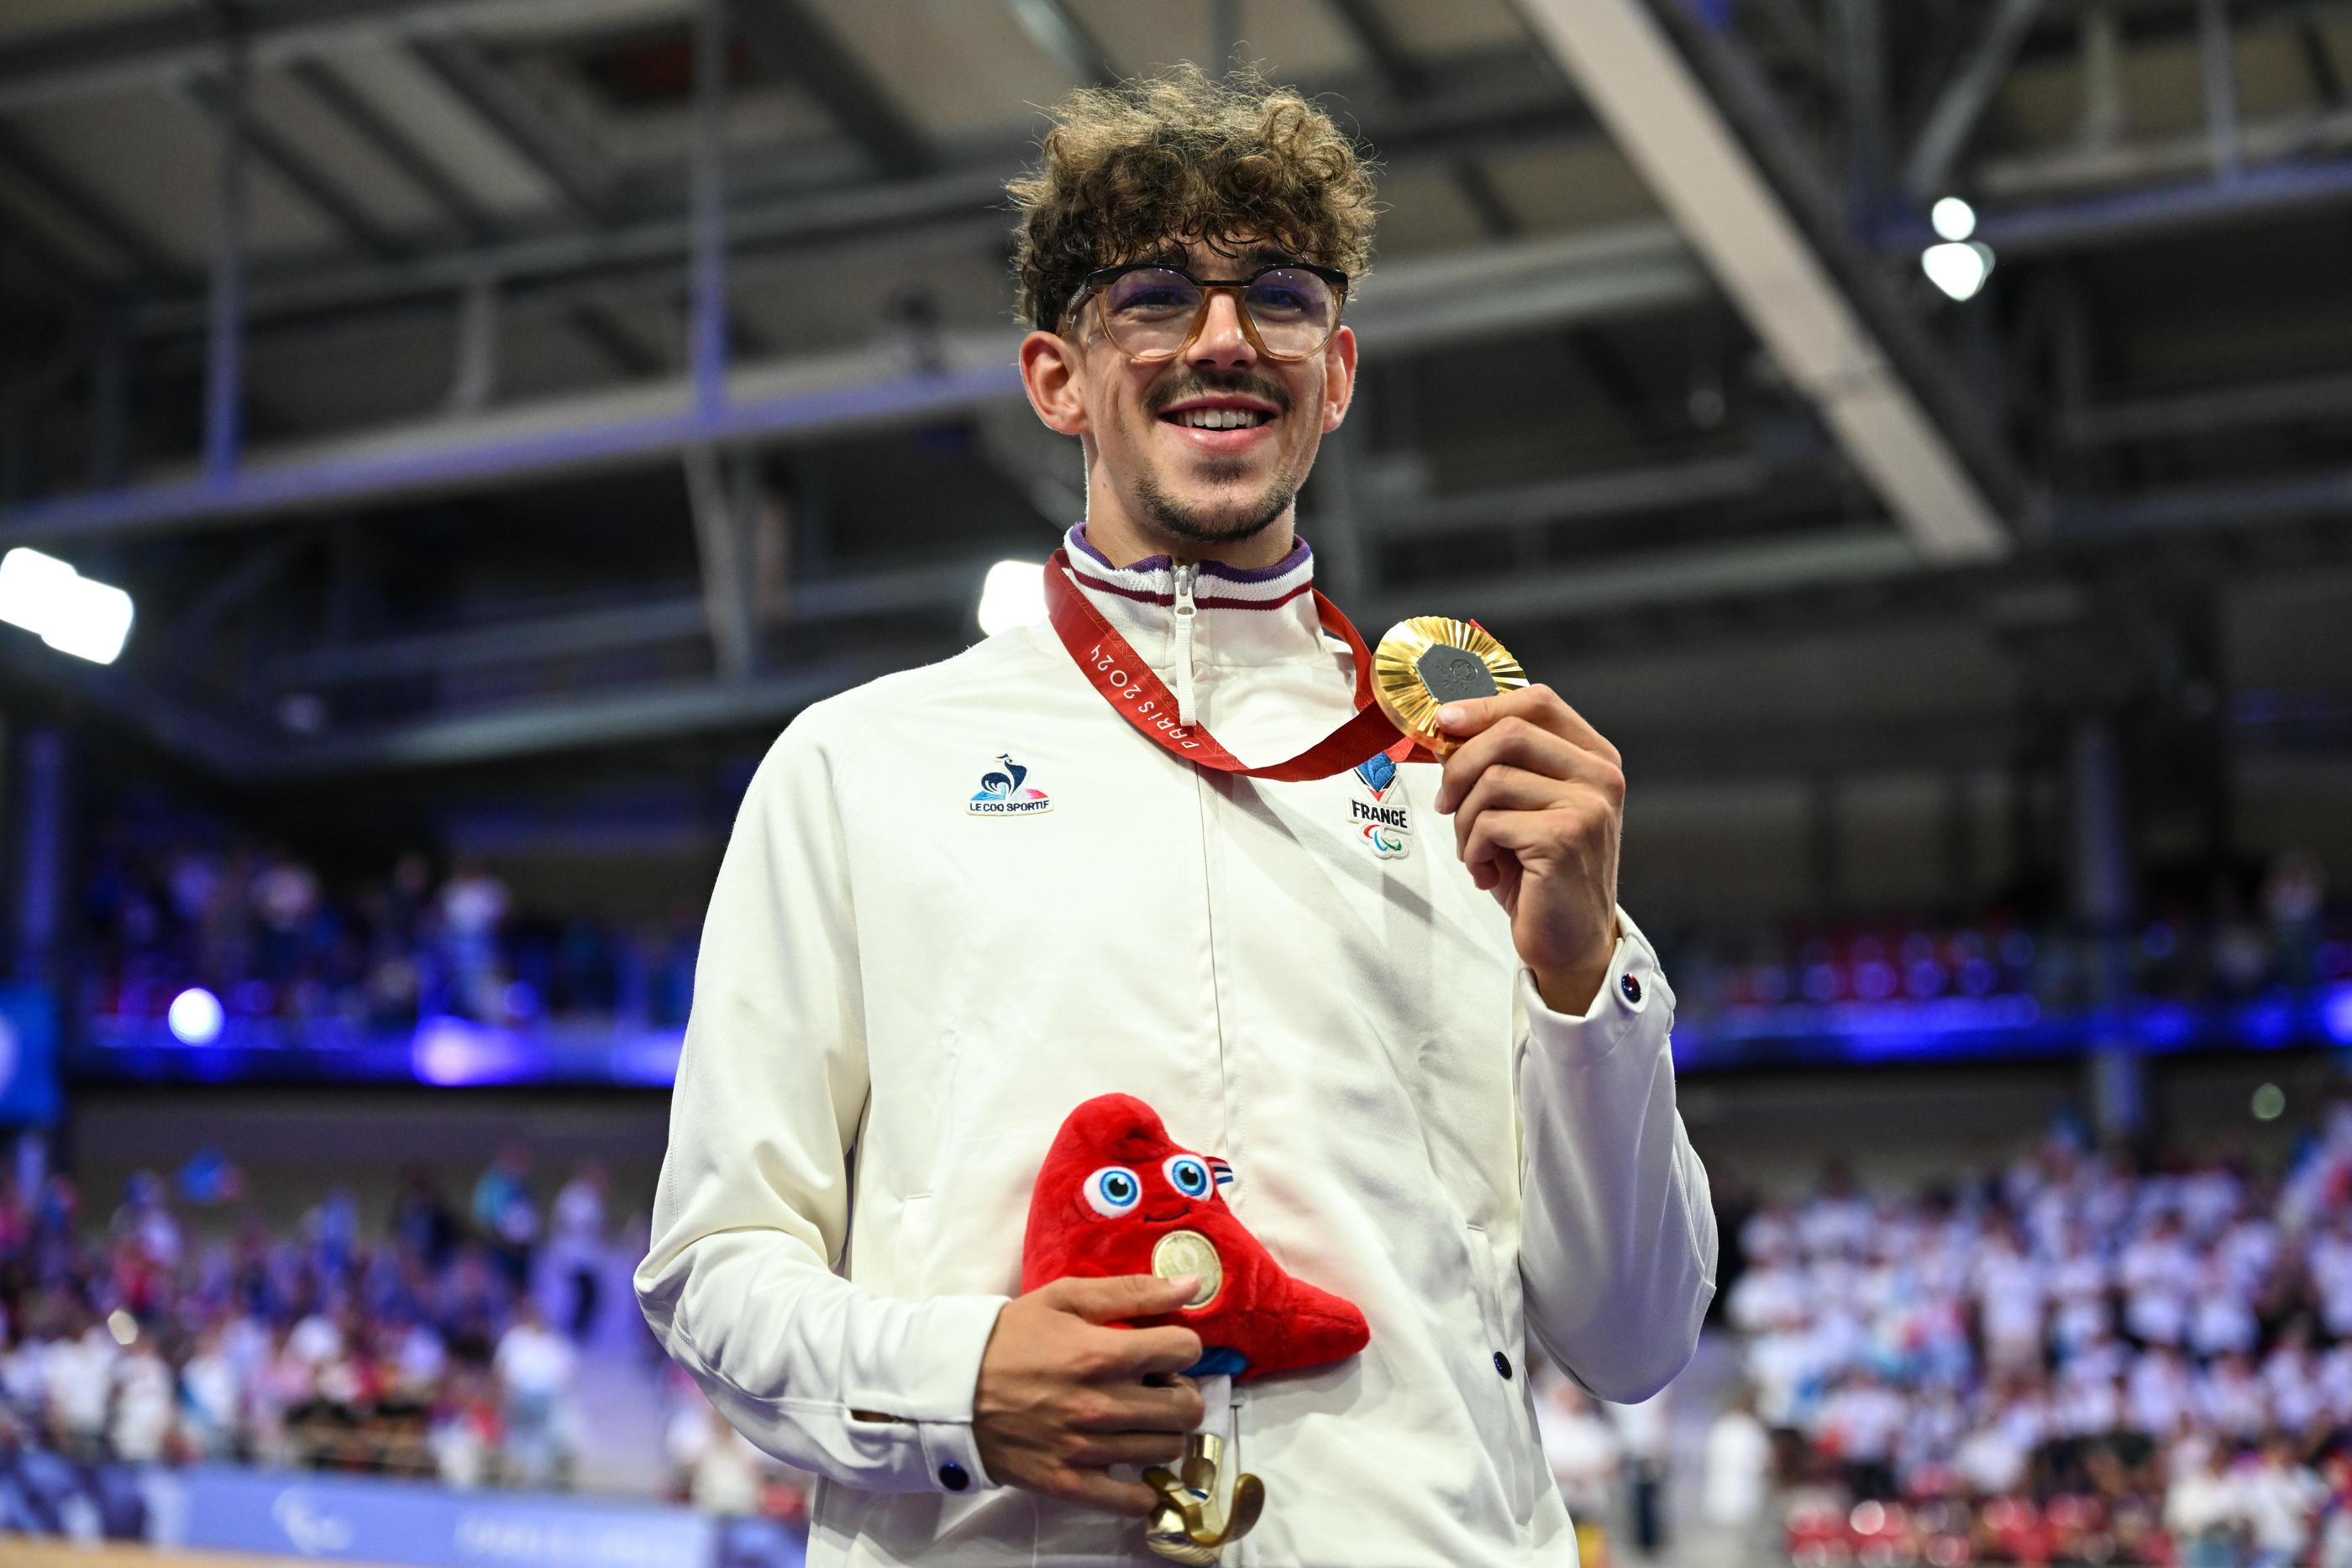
1400,1001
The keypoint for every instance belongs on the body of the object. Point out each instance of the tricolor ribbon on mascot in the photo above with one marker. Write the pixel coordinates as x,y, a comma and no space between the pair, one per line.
1111,663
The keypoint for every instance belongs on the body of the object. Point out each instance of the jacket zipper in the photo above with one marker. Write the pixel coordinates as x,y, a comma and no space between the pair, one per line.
1186,611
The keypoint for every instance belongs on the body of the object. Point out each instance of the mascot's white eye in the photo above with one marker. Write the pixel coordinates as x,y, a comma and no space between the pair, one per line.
1188,1175
1113,1190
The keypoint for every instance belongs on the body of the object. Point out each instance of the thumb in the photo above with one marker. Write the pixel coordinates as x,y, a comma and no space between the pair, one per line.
1469,715
1124,1296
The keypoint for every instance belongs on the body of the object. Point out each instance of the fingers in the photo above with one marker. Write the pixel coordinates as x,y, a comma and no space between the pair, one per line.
1539,705
1103,1449
1123,1296
1518,741
1131,1407
1099,1491
1514,790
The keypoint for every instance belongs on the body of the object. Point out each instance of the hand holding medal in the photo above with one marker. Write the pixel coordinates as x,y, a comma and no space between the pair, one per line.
1536,793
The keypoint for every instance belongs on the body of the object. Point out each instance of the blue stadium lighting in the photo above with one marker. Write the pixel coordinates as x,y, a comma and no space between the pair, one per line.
195,1017
2336,1014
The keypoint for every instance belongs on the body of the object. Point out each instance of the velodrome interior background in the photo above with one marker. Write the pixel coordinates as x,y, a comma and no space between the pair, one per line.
443,441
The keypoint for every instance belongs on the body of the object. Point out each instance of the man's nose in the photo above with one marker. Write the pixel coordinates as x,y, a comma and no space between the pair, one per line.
1220,343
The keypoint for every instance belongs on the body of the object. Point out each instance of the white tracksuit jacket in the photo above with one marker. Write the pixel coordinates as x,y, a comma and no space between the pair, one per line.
900,996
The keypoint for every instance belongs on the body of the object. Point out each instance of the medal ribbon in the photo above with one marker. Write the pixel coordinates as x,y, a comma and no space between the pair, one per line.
1112,666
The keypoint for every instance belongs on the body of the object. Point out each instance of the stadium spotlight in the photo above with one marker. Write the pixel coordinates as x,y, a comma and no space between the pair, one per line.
1013,595
1953,218
1959,268
195,1017
72,614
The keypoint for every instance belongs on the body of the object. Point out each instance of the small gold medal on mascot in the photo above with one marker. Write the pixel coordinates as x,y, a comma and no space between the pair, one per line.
1430,660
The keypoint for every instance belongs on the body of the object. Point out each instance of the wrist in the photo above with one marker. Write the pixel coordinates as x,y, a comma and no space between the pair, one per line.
1569,992
1568,988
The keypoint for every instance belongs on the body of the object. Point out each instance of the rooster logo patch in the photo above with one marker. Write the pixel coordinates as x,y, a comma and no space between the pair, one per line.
1005,791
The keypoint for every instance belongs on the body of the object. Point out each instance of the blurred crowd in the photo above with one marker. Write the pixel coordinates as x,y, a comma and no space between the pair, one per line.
2235,945
2075,1361
265,933
448,1345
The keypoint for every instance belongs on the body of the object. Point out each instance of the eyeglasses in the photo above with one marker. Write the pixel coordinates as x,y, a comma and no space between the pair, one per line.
1288,311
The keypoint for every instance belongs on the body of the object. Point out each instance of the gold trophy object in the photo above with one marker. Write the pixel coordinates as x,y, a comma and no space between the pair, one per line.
1432,660
1192,1520
1190,1523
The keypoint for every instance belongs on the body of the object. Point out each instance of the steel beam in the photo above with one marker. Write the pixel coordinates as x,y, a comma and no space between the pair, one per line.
2302,135
155,47
1496,290
1058,30
224,410
2206,508
1962,102
720,537
2216,52
818,601
608,719
1837,339
2210,412
2141,214
1519,105
1499,289
291,164
576,176
394,146
1609,495
1677,577
800,398
795,43
87,211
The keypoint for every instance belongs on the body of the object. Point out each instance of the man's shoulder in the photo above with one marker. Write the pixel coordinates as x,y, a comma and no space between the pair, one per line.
1014,667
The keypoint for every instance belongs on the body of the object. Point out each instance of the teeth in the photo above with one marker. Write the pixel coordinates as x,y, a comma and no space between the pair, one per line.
1219,418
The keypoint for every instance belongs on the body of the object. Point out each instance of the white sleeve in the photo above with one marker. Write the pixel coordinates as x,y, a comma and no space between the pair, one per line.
1617,1230
753,1212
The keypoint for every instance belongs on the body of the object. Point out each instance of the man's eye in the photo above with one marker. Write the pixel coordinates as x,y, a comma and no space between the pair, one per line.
1113,1190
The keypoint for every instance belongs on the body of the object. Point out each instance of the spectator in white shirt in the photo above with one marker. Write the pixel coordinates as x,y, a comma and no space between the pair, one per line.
2280,1499
535,1369
2202,1507
1582,1449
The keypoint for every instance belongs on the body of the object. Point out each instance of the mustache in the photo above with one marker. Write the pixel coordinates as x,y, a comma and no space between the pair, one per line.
1191,383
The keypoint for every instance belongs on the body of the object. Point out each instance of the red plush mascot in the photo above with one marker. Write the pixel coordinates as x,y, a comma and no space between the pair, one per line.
1115,1196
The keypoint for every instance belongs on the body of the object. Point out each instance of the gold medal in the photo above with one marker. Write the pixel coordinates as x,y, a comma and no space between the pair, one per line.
1182,1252
1429,661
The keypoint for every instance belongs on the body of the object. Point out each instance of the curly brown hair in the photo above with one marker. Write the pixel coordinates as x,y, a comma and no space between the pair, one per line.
1175,158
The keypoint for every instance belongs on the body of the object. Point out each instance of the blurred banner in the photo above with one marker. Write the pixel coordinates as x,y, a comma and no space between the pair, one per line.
361,1519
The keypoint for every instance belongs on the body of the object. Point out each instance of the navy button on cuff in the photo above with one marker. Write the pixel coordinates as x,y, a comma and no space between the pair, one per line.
1503,1364
954,1476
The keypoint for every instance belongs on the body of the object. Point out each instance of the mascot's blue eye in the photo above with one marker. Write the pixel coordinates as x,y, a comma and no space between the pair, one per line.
1188,1176
1113,1190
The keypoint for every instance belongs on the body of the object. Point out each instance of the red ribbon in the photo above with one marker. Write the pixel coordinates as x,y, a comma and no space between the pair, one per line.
1142,698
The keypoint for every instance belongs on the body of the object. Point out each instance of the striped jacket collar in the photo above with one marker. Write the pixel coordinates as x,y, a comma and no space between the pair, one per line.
1246,617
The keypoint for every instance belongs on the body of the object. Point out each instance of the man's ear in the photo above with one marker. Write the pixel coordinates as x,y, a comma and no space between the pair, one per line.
1339,378
1051,374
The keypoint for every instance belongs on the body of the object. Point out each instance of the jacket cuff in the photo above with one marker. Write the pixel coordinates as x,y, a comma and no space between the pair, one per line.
1633,998
939,1387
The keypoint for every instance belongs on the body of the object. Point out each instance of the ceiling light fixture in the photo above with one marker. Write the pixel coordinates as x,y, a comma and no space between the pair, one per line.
71,613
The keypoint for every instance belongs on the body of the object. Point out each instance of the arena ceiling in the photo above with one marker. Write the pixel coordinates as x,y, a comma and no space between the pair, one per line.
451,380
